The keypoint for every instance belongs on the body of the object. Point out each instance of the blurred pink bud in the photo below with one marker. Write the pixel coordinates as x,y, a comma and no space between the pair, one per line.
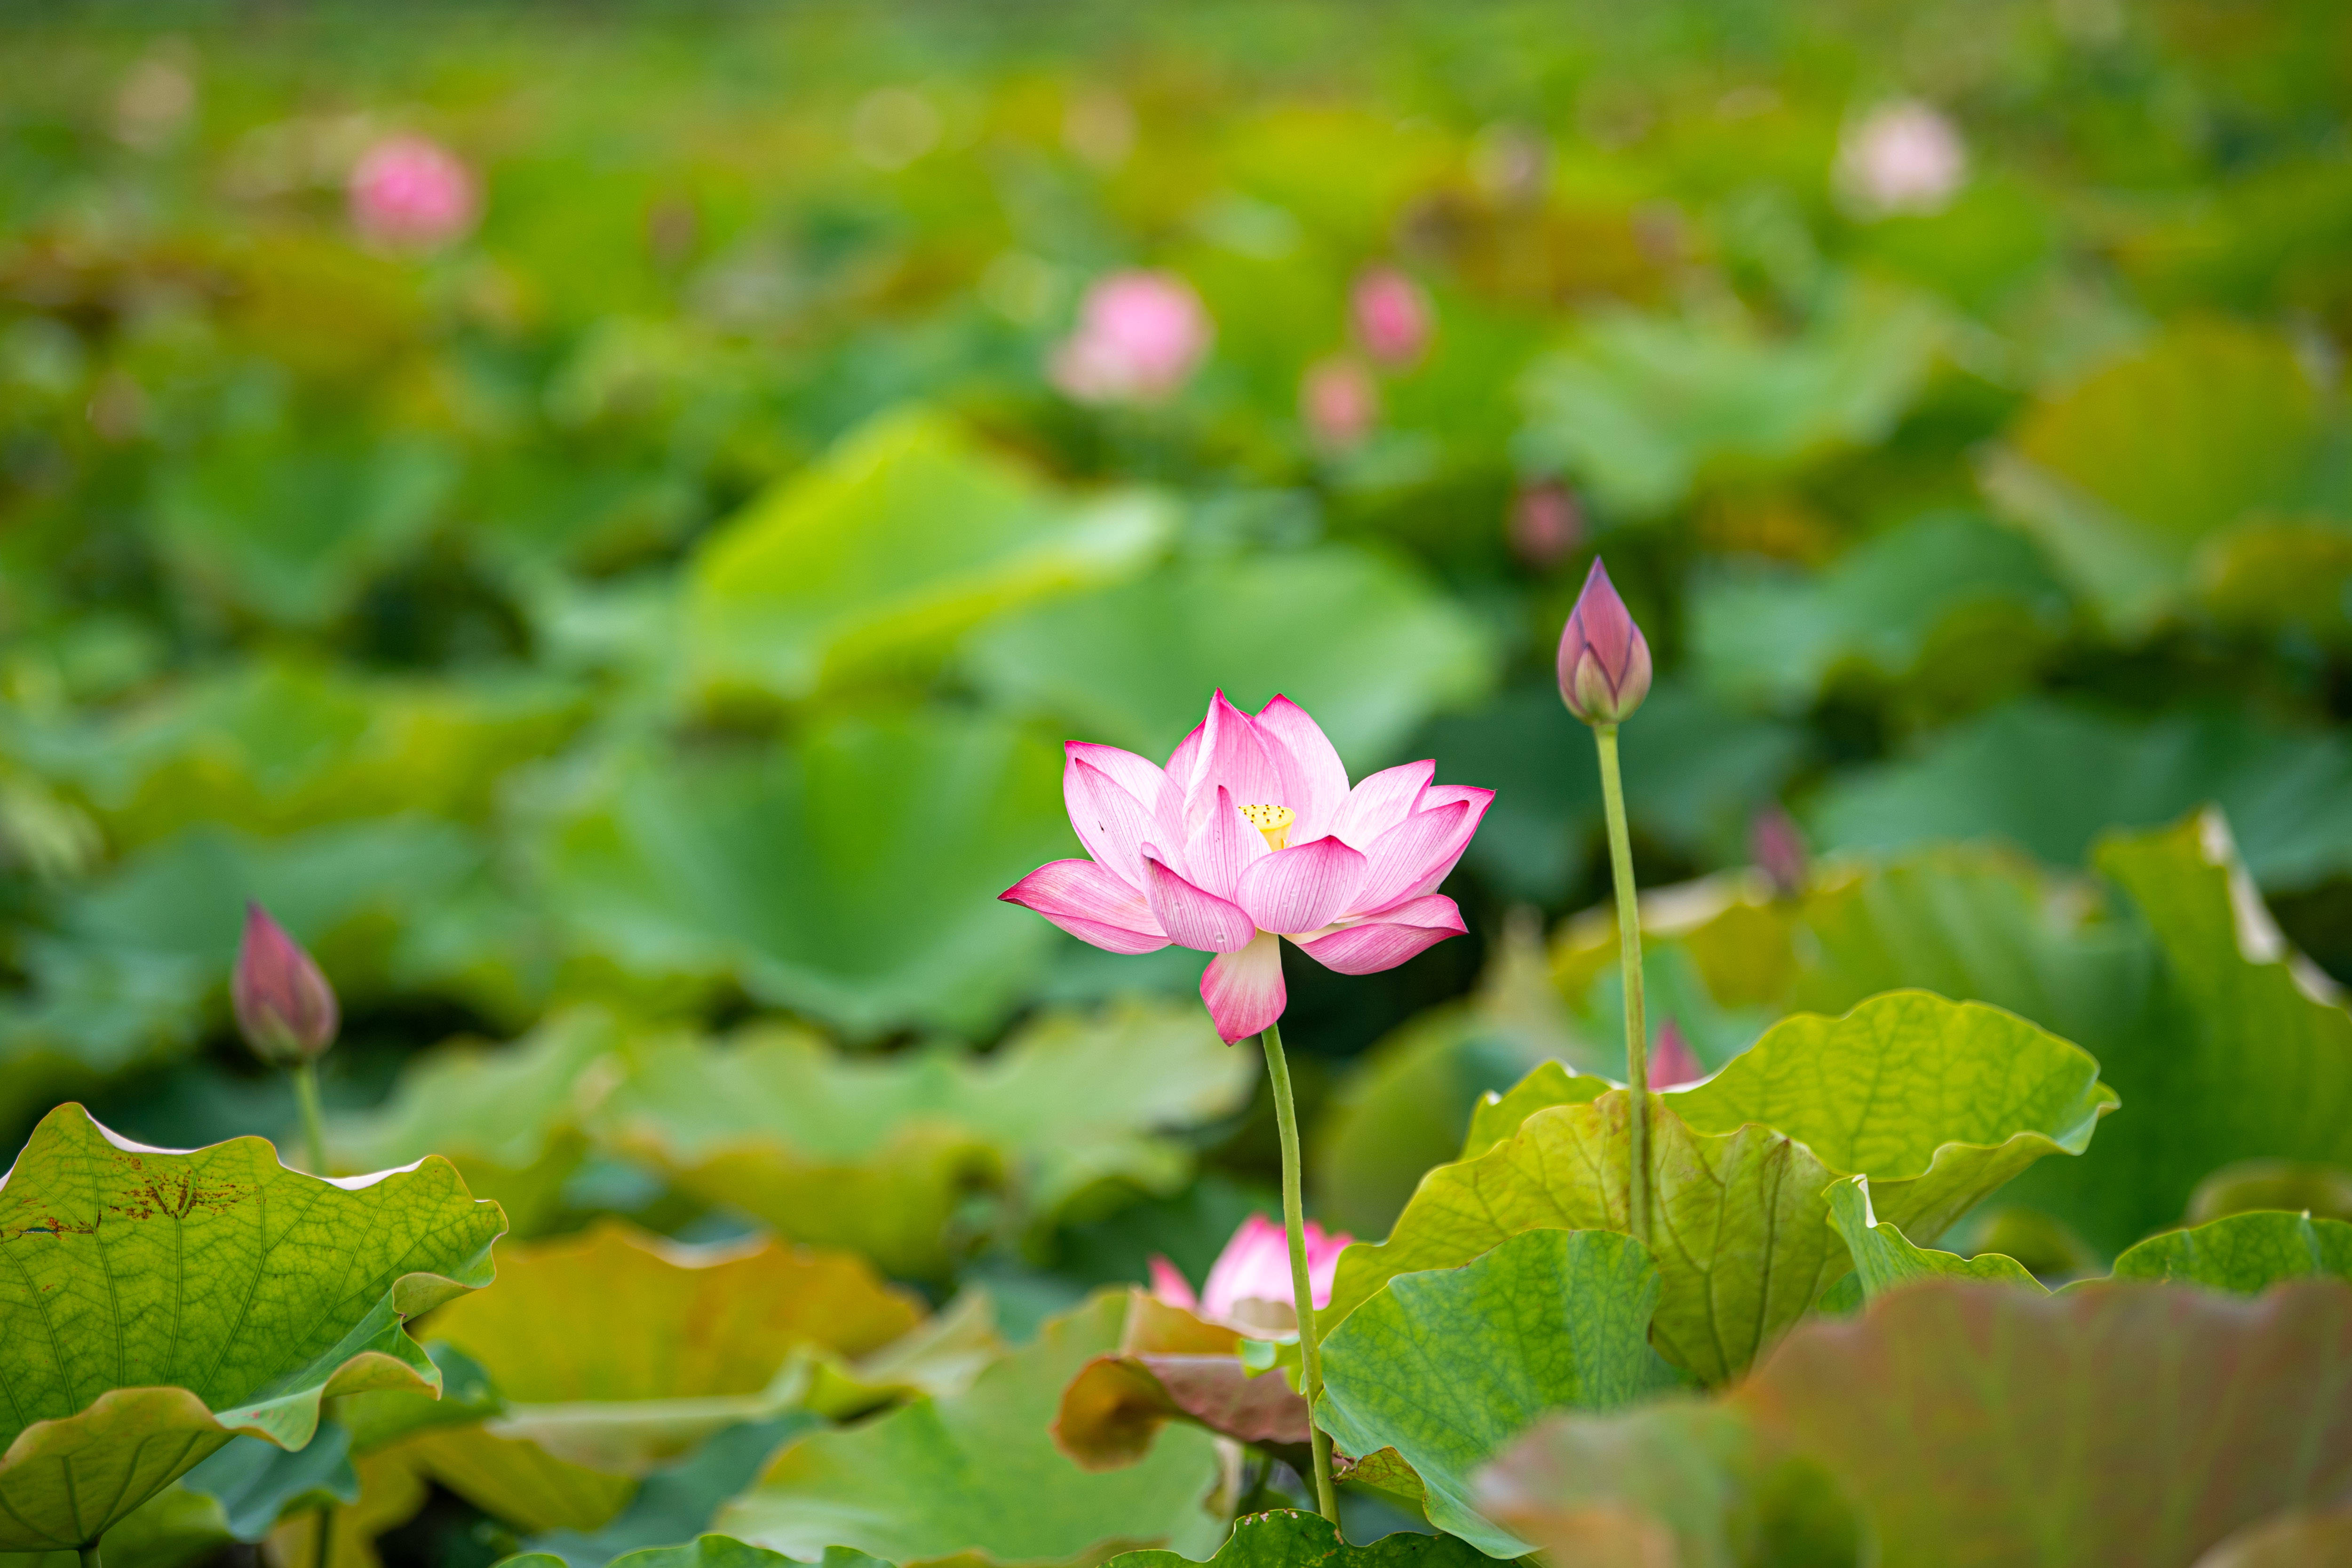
1546,524
1392,316
1903,157
1778,847
285,1008
1338,401
1140,335
1254,1267
1604,661
1672,1061
411,191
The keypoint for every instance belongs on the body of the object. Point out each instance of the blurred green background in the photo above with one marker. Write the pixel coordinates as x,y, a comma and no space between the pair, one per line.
642,612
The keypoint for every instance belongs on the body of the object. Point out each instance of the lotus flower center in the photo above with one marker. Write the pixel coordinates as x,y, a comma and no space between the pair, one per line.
1274,821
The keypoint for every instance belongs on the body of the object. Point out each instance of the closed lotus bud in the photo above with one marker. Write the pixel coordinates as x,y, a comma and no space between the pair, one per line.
1672,1061
1778,847
285,1008
1604,661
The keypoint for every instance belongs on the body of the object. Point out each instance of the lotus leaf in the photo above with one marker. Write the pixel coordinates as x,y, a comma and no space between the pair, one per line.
2245,1253
974,1476
1170,1365
1289,1539
1884,1259
1937,1102
1447,1367
163,1301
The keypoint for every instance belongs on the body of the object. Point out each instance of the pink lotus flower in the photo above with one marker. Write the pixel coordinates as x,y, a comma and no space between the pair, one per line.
1392,316
1604,660
1338,401
1139,336
285,1008
1250,833
1546,524
1253,1271
1672,1063
413,192
1903,157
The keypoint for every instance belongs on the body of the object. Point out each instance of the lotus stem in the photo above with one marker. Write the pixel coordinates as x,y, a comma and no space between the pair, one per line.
304,1075
90,1556
1302,1288
1629,956
323,1549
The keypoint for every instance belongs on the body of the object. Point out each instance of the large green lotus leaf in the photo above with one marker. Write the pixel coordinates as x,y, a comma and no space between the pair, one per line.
1883,1257
2121,478
1947,600
2292,793
2118,1423
975,1478
2245,1253
257,1483
1673,1481
161,1302
174,1529
1288,1538
681,1342
2278,574
1937,1102
879,1153
1641,408
1359,640
1498,1118
851,875
905,535
1447,1367
674,1503
703,1551
509,1118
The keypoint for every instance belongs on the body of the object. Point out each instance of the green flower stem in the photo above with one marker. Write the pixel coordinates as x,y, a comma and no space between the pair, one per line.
90,1556
1302,1288
314,1132
323,1549
1629,954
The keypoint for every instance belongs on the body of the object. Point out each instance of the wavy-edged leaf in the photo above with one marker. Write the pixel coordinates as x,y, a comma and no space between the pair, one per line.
705,1552
157,1302
676,1503
2245,1253
1498,1118
1937,1102
845,569
1172,1366
974,1476
1287,1538
1447,1367
1884,1259
2118,1423
257,1483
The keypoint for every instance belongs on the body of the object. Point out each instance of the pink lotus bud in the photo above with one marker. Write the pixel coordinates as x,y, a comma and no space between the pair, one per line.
1392,316
1139,336
1903,157
1546,524
1672,1061
1338,402
1778,846
285,1008
1604,661
412,192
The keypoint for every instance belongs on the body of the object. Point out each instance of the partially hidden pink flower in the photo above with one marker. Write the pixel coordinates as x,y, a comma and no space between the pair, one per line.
1547,522
1253,1271
1778,846
1604,660
1903,157
285,1008
1139,336
1338,402
1392,316
1250,833
411,191
1672,1063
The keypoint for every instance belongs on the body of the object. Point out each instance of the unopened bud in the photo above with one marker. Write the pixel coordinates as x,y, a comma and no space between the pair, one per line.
1778,846
285,1008
1604,661
1672,1061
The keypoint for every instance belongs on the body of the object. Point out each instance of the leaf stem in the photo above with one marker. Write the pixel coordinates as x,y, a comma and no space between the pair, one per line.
1302,1288
1629,954
314,1133
324,1549
90,1556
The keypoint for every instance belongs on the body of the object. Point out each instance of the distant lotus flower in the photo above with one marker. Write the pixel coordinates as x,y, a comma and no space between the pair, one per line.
1254,1267
1604,660
1903,157
1778,846
285,1008
1672,1061
1140,335
1249,834
410,191
1392,316
1338,401
1546,524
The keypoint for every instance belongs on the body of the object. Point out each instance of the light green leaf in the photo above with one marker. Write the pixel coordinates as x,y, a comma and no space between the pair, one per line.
1447,1366
852,875
703,1551
1498,1117
977,1473
257,1483
1884,1259
1937,1102
880,1154
176,1528
1288,1538
161,1302
2112,1422
2246,1253
1359,641
907,533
